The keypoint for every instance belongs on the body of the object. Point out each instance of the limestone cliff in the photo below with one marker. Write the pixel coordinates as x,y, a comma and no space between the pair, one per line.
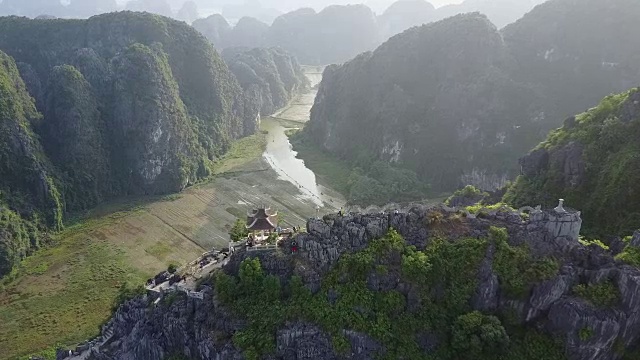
354,290
131,103
29,196
458,101
270,77
434,99
73,134
152,136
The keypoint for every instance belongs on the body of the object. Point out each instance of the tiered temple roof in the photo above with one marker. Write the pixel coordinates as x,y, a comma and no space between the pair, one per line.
262,220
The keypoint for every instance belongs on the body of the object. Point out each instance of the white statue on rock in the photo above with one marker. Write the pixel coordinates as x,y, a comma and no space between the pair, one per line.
560,207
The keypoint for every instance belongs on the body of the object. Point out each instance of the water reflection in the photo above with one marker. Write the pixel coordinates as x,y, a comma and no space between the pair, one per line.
282,158
280,154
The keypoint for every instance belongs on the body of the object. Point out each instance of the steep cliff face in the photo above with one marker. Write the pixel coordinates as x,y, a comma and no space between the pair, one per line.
73,134
458,102
132,104
201,86
592,161
271,77
29,197
420,93
152,136
207,88
27,177
572,64
442,287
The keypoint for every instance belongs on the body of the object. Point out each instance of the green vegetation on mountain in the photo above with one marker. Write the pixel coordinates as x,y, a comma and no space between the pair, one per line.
131,103
602,295
270,77
73,135
420,93
216,29
592,162
161,146
345,301
458,101
362,182
29,197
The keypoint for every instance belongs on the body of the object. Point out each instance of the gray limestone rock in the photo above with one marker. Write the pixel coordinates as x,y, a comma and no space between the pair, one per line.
202,329
534,163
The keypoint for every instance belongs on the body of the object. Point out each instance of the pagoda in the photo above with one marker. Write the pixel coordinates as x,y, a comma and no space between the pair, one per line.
262,220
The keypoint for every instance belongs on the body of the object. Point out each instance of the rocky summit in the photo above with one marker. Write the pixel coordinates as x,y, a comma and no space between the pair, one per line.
418,283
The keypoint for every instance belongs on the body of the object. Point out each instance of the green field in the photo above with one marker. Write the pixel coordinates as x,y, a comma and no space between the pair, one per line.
63,293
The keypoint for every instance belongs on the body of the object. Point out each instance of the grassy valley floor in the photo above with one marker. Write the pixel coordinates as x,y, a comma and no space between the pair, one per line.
63,293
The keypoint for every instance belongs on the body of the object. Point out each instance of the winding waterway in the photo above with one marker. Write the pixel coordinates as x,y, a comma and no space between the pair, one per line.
280,154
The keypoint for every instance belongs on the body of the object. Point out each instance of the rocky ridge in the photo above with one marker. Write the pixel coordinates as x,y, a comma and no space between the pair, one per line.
202,329
583,162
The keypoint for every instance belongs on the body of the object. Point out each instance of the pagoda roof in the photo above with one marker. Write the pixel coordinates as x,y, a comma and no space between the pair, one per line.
262,219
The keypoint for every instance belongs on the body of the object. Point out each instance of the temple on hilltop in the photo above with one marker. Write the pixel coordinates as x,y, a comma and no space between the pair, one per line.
262,220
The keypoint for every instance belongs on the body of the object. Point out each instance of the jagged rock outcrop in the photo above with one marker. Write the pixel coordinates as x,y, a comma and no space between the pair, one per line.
591,162
202,329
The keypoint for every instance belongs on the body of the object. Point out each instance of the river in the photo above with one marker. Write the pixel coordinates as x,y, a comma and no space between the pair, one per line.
280,154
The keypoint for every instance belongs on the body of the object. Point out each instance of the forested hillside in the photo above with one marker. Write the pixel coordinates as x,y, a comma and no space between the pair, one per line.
435,99
593,161
29,197
124,103
459,102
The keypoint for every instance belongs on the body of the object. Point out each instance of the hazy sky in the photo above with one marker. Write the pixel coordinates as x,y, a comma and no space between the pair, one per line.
288,5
